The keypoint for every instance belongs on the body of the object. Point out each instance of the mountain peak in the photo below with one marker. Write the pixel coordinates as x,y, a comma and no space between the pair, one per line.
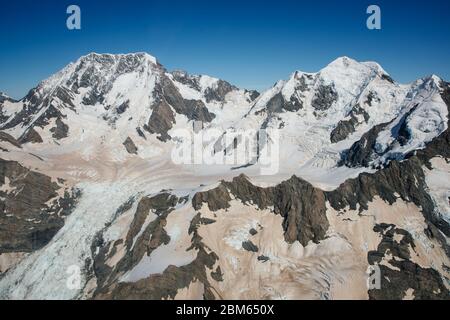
4,97
94,56
99,69
345,62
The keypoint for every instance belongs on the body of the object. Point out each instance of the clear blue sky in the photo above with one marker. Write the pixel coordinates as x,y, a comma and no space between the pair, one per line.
249,43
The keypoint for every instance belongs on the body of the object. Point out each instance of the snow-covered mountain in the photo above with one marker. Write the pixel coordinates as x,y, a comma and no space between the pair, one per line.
88,180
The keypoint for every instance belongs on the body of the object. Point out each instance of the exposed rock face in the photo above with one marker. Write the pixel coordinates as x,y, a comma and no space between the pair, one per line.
161,120
141,133
156,286
218,93
249,246
399,179
167,98
253,94
39,110
8,138
361,152
305,219
403,178
123,107
387,78
401,131
61,130
31,212
93,73
300,204
345,128
138,243
325,97
86,74
303,209
192,109
425,283
130,146
184,78
278,104
31,136
50,113
371,97
149,239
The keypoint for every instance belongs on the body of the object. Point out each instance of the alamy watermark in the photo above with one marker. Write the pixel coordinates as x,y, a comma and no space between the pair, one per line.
374,20
373,277
73,22
235,148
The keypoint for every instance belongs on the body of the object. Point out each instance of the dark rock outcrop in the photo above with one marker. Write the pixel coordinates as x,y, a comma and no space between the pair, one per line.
140,240
27,221
253,94
404,275
30,136
362,152
215,93
219,91
130,146
300,204
404,180
278,104
166,284
345,128
10,139
38,109
123,107
161,120
372,96
61,130
141,133
192,109
184,78
167,98
387,78
325,96
249,246
400,131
